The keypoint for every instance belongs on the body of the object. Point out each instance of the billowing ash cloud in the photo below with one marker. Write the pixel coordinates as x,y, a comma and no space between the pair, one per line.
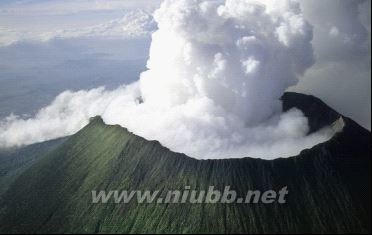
215,75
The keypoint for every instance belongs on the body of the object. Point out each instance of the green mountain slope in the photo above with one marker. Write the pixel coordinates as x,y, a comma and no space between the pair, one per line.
329,185
15,161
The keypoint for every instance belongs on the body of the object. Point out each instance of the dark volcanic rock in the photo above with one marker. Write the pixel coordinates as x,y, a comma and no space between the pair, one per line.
319,114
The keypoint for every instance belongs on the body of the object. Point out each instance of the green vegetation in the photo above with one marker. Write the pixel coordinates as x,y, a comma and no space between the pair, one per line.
329,187
15,161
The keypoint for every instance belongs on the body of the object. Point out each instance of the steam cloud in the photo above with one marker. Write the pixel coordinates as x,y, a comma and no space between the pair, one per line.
216,72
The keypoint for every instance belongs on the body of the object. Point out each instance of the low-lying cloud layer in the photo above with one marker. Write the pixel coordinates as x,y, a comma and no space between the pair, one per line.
134,24
215,75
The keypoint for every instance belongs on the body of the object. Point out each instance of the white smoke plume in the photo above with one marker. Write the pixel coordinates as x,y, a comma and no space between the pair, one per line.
216,72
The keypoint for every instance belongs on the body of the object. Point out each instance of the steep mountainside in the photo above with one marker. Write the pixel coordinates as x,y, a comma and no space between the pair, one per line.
15,161
329,185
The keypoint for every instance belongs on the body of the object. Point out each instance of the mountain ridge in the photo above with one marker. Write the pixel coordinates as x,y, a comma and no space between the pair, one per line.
329,187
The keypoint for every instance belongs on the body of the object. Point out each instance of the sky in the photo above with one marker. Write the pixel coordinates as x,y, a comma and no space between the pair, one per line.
47,47
50,46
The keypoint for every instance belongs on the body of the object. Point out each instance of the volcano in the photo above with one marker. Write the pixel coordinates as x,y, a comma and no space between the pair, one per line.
47,187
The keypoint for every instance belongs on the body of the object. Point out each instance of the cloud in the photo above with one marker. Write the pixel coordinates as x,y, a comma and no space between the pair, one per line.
68,7
134,24
340,76
342,72
7,37
215,75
